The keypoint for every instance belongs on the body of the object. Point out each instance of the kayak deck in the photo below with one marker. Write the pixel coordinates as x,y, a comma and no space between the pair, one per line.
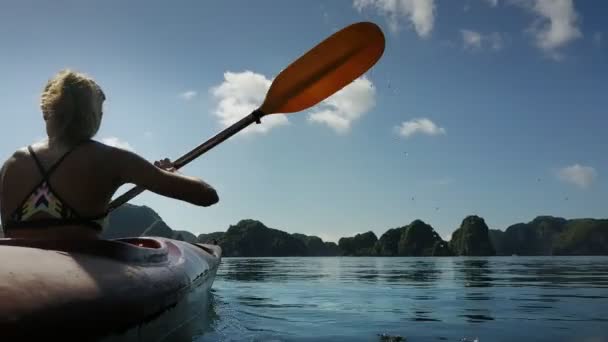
135,287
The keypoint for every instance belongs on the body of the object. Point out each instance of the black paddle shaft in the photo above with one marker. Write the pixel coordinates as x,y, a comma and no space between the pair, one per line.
255,116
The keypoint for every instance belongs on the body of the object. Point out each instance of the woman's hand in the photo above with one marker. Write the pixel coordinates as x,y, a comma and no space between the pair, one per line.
165,164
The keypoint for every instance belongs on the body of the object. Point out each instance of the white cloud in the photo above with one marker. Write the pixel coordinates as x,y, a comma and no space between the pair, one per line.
344,107
556,25
241,93
188,95
475,40
420,13
471,38
577,174
419,126
116,142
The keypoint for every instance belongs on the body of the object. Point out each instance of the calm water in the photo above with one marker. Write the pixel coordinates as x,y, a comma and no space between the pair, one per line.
421,299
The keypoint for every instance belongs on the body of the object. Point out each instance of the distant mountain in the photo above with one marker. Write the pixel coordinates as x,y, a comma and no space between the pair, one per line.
210,237
583,237
388,244
472,238
420,239
548,235
317,247
545,235
358,245
185,235
132,220
240,240
415,239
497,238
533,238
129,220
251,238
246,238
159,228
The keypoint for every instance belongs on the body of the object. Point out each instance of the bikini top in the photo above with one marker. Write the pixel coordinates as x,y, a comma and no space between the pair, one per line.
44,199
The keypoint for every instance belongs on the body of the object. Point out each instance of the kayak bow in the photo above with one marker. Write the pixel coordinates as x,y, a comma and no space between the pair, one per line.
142,289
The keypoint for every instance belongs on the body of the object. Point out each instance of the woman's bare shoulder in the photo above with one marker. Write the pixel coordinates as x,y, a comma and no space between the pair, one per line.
113,159
19,155
13,163
109,151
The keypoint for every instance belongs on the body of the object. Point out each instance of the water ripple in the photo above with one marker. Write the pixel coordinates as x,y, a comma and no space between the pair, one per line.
423,299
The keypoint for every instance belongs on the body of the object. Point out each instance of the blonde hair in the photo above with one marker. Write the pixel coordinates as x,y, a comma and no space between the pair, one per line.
72,103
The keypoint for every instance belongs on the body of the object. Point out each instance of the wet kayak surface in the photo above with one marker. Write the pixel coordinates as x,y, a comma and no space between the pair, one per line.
142,289
421,299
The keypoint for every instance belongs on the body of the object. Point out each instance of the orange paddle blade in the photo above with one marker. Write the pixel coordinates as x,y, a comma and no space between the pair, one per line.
327,68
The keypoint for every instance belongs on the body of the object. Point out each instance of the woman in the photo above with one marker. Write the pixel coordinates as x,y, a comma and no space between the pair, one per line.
61,188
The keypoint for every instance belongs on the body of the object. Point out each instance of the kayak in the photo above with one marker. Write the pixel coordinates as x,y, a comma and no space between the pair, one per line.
131,289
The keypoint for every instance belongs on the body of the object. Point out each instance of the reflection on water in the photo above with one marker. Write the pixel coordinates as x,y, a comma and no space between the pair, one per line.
413,272
568,272
249,269
422,299
417,272
475,272
476,276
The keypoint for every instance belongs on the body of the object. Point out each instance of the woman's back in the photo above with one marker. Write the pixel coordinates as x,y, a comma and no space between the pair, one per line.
58,183
61,188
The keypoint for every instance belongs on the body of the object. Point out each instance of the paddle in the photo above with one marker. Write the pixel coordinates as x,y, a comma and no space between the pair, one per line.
316,75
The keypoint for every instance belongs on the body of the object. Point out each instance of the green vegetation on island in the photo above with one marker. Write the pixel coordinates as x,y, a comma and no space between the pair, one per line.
251,238
358,245
420,239
415,239
315,246
472,238
548,235
544,235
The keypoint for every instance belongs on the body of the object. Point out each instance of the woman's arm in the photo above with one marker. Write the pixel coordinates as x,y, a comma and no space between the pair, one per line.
136,170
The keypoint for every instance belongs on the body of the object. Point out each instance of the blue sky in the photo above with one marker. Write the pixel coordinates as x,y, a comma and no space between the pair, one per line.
500,106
